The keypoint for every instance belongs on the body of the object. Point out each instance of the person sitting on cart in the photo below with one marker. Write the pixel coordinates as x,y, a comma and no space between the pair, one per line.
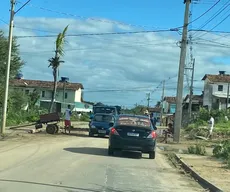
68,114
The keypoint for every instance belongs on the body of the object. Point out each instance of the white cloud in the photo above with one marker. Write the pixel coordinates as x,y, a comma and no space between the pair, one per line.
113,61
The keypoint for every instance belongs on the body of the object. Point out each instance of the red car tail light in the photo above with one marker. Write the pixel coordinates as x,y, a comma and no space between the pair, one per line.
114,131
152,135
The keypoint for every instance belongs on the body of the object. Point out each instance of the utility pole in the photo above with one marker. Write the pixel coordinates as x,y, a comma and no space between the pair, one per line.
180,83
191,91
10,39
227,98
148,100
162,100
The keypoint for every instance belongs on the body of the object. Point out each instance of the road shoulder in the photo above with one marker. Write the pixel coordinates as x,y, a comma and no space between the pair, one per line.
210,172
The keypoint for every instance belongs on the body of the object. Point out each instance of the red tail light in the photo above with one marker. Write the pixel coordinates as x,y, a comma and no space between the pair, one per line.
152,135
113,131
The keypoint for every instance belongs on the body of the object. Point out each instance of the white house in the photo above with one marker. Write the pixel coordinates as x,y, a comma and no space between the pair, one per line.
67,93
216,90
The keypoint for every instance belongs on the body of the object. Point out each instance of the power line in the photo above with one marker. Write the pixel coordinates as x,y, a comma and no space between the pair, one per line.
215,15
114,33
220,22
209,31
109,21
214,42
158,86
4,21
24,4
97,48
87,18
94,34
205,12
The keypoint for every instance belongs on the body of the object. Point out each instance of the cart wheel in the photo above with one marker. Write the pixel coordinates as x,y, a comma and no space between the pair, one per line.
51,129
57,128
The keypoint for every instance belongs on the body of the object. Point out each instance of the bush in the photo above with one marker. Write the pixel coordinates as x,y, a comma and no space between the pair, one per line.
85,117
198,149
222,150
221,127
204,115
22,116
75,117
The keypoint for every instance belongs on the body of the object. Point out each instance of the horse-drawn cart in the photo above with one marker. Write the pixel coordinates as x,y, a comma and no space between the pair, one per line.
51,121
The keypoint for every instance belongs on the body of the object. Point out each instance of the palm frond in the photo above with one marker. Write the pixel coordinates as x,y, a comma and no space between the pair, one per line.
55,62
60,41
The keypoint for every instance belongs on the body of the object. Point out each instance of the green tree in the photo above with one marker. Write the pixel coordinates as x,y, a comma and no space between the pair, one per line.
16,62
33,98
17,101
137,110
55,62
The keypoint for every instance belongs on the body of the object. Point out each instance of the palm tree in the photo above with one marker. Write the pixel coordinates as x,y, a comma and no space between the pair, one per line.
55,62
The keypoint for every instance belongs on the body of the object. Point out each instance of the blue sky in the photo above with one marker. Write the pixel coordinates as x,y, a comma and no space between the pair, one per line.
144,61
160,14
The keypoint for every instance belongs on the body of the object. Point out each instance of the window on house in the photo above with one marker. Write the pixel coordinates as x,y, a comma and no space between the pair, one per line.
220,87
66,95
43,93
27,92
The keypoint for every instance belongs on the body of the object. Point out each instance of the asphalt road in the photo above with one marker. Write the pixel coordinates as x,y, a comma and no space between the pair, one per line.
78,164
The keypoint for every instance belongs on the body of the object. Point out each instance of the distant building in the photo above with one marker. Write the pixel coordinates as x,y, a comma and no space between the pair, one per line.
216,90
156,111
197,102
169,105
67,93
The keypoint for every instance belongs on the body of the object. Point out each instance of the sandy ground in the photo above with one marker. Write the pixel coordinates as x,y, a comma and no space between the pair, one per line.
211,169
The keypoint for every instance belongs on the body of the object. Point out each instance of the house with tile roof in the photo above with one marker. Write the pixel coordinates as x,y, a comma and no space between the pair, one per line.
197,102
67,93
216,90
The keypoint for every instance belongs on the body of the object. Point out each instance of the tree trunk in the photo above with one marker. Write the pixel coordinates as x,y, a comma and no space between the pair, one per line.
54,92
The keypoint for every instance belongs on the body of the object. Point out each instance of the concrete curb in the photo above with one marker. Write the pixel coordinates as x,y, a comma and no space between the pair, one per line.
203,182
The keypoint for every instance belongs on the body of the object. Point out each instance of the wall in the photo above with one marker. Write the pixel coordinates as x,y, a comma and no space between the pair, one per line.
210,89
71,97
165,106
172,108
225,88
78,94
207,97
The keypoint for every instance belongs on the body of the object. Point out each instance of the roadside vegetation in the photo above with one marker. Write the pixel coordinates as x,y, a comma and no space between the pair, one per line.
221,133
222,150
199,125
